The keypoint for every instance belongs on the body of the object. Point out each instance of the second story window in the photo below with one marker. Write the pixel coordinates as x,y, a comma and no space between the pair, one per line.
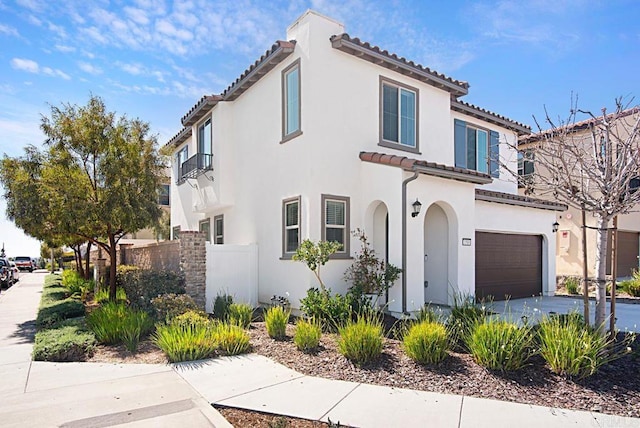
204,142
181,157
163,195
398,115
291,107
476,148
525,166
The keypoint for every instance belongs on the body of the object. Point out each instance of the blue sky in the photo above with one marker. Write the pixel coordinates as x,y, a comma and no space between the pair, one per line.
154,59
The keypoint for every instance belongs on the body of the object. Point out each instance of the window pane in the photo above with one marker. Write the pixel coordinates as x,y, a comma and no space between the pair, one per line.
389,113
219,227
291,240
292,214
335,234
483,150
335,213
163,194
293,101
471,148
408,118
205,227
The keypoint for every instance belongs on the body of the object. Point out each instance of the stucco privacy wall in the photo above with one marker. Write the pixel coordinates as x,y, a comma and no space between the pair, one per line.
569,251
502,218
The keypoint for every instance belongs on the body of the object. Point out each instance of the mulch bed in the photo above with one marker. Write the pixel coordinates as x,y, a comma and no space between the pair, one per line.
248,418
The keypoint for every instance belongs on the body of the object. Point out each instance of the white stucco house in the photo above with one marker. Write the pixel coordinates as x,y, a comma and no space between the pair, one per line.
326,133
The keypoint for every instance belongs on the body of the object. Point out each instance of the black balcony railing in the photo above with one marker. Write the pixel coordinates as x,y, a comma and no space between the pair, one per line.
196,165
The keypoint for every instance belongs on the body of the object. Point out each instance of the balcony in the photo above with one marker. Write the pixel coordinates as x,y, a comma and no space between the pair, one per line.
195,166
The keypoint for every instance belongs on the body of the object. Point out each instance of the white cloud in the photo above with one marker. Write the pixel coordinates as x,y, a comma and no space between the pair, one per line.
95,34
58,30
31,66
89,68
35,21
138,16
25,65
35,5
64,48
8,30
134,68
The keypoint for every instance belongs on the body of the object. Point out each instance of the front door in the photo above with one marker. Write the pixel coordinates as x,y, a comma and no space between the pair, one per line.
436,256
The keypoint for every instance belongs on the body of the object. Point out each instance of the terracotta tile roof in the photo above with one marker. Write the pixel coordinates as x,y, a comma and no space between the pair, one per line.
524,201
577,126
201,108
366,51
180,137
489,116
428,168
278,52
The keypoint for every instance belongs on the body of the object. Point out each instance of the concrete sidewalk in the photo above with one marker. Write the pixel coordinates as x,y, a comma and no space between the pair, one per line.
40,394
257,383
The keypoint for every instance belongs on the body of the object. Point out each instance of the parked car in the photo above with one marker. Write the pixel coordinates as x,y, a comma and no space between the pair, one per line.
16,271
25,263
6,274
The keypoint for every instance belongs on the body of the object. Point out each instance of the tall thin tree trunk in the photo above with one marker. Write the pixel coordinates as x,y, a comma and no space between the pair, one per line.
614,274
601,263
585,268
112,268
87,261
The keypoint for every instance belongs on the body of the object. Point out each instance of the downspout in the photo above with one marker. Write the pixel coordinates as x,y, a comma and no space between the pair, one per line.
404,238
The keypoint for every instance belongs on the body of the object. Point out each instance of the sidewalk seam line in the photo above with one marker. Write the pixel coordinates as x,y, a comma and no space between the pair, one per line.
257,389
460,413
339,401
26,382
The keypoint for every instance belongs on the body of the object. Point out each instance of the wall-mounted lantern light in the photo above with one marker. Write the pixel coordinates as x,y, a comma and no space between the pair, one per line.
416,208
554,227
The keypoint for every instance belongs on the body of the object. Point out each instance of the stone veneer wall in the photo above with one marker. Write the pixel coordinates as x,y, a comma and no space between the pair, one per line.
193,264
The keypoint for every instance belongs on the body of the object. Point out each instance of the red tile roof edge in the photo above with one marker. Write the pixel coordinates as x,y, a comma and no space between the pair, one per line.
519,127
180,137
525,200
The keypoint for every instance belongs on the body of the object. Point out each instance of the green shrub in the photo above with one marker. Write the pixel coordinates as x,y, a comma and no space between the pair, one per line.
330,311
430,314
52,279
464,316
114,322
53,294
240,314
500,345
69,342
221,306
307,335
232,339
103,295
276,320
193,318
135,325
573,349
632,286
361,340
185,341
141,286
426,342
572,283
56,311
169,306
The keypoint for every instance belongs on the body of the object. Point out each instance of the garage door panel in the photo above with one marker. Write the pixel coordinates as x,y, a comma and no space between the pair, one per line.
508,265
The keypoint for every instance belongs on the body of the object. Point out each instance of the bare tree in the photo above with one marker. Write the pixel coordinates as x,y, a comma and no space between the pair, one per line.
593,164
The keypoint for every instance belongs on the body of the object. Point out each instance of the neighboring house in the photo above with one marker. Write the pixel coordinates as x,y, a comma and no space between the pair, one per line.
324,134
149,234
569,253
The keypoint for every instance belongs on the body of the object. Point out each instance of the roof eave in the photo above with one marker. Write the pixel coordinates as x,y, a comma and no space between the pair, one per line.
527,204
200,110
452,175
479,114
377,58
179,138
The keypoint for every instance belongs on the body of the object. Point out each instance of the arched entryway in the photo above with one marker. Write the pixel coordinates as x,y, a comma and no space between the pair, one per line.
436,256
380,232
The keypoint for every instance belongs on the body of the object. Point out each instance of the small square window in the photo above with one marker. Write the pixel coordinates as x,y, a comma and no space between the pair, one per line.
335,221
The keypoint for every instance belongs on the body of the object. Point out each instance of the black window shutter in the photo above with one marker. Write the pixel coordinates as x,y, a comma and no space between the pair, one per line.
460,142
494,153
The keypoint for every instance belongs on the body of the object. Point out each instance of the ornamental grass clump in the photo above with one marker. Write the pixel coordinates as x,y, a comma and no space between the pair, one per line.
114,323
232,339
102,295
361,341
135,325
572,348
500,345
426,342
465,315
186,341
240,314
276,320
307,335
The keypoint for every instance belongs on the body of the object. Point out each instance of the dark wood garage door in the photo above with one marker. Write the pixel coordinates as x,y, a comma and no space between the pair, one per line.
628,245
508,266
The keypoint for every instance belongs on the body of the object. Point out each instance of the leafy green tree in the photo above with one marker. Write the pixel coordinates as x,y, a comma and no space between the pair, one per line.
315,255
97,179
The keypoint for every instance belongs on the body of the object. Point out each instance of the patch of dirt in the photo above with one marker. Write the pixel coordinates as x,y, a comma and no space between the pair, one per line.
148,353
248,418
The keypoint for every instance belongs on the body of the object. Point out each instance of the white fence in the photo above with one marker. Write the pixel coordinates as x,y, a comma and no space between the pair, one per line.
233,270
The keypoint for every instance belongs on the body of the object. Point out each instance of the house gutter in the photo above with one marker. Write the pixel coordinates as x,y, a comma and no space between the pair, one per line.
404,238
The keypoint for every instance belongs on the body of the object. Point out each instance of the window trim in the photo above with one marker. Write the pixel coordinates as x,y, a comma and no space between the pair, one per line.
205,221
393,144
179,163
346,252
287,137
202,125
288,255
490,133
219,217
